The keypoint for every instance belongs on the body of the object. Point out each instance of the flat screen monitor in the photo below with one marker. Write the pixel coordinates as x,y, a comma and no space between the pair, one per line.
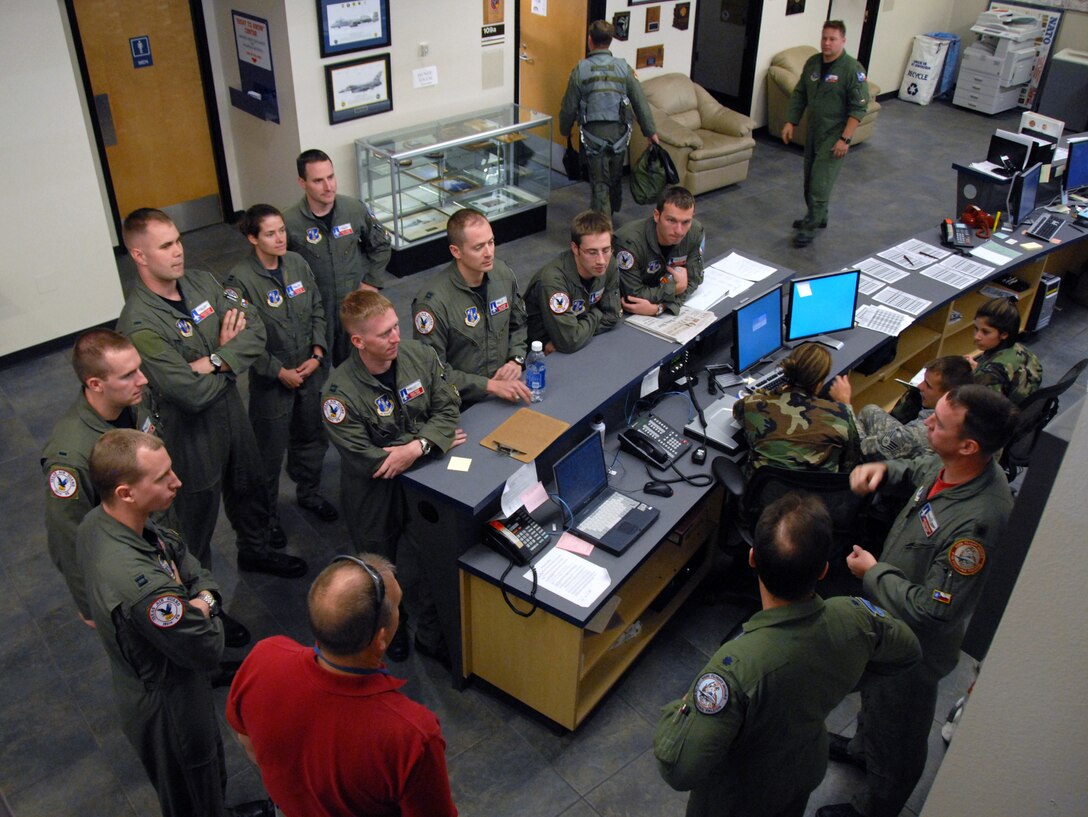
1022,194
757,330
1011,146
822,304
1076,166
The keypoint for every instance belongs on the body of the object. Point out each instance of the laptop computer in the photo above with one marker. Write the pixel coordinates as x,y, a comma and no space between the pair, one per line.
602,515
722,430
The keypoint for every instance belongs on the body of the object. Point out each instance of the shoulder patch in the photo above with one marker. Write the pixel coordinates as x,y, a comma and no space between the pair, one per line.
879,612
424,322
967,556
63,483
165,611
559,302
625,260
711,693
334,411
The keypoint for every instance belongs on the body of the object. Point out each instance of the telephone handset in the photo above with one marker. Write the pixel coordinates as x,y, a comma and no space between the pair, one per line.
518,538
979,220
955,234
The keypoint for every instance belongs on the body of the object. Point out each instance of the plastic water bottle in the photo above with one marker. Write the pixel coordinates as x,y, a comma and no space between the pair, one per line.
534,372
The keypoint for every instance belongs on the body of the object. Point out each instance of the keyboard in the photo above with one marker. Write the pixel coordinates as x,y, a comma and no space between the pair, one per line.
770,381
607,515
1045,226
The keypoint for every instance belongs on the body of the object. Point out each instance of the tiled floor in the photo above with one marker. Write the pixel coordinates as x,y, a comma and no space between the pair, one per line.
61,750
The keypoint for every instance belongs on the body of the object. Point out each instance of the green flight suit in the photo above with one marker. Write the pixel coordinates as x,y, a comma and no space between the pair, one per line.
161,651
831,93
474,333
206,430
643,262
1014,371
355,250
285,420
749,738
568,310
602,92
69,493
362,417
794,430
933,583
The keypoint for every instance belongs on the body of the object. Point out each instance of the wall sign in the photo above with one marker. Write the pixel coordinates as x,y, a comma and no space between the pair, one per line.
257,96
141,51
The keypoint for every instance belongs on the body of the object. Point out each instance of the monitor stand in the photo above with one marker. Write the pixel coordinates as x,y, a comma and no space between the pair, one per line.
826,340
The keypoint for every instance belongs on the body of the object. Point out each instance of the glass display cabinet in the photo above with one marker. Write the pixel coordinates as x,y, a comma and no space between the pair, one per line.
495,161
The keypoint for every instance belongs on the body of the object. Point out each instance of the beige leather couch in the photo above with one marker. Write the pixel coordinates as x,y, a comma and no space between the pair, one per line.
710,144
783,75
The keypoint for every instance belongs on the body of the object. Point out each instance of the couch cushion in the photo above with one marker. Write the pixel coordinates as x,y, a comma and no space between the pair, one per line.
719,150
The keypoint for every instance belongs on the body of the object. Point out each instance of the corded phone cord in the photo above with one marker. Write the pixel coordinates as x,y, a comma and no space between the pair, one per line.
695,480
506,598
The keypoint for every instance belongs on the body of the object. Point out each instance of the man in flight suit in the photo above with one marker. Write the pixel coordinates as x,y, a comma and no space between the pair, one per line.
577,295
285,381
343,243
194,341
473,315
833,90
385,407
930,574
661,258
155,608
601,93
749,737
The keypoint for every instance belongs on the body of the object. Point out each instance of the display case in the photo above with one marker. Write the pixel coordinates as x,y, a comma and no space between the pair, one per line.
496,161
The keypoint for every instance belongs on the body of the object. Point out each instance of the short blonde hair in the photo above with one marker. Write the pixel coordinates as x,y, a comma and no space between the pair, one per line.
114,459
360,306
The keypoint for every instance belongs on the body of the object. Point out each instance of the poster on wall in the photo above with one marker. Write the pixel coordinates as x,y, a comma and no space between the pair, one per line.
681,14
494,11
356,25
358,88
795,7
621,22
257,94
1049,19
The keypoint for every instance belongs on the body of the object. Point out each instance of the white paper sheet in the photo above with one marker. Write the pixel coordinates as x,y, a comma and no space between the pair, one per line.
576,579
882,319
519,482
717,284
743,267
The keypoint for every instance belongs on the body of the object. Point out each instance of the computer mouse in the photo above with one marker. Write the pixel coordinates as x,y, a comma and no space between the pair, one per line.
657,489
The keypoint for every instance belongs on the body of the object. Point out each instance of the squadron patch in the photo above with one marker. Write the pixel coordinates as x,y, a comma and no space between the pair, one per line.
313,235
274,299
578,307
472,316
62,483
384,405
861,76
424,322
334,411
967,556
814,76
295,289
185,329
711,693
559,302
166,611
653,267
232,294
872,608
624,259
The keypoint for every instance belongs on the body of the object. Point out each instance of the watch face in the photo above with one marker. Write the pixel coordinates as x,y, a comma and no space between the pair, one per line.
215,359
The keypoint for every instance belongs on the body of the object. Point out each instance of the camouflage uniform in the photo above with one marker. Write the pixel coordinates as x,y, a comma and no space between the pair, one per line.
797,431
1014,371
605,133
883,437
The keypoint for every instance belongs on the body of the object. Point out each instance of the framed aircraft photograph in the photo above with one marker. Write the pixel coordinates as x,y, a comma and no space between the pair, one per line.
358,88
352,26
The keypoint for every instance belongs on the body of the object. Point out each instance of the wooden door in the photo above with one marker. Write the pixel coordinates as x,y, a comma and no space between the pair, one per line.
549,46
153,119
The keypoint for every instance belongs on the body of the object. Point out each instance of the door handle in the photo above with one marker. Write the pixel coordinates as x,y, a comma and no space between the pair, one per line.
525,57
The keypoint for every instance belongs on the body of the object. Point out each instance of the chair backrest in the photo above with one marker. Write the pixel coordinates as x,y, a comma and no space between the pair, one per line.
1035,412
674,94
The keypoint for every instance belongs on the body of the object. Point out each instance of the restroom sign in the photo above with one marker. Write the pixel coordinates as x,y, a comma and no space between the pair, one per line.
141,51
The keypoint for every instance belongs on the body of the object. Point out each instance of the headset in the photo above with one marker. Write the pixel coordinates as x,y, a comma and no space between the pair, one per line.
379,589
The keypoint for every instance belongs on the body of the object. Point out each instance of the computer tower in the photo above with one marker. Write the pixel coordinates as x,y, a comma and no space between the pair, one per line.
1043,305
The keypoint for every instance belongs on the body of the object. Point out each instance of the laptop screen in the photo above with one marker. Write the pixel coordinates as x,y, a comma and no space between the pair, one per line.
580,475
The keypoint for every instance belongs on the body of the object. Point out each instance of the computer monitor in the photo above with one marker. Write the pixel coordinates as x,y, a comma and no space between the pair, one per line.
1076,166
1014,147
822,304
757,330
1022,194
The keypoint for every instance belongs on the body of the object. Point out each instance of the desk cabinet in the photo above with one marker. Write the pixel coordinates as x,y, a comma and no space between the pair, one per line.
561,669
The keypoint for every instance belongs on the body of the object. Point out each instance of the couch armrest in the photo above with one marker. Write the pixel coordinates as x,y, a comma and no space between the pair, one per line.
671,131
729,122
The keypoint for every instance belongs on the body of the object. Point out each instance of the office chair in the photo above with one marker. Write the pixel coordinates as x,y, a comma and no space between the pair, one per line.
1035,412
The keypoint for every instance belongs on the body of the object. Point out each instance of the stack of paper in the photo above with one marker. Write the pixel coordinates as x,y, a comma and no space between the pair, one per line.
680,328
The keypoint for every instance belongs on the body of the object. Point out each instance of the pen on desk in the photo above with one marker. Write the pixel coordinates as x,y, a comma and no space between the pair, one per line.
929,255
997,220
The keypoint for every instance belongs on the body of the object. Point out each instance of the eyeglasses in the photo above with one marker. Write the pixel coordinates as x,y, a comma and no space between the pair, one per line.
593,253
379,589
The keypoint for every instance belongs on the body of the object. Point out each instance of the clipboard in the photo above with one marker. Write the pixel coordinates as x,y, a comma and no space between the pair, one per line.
524,435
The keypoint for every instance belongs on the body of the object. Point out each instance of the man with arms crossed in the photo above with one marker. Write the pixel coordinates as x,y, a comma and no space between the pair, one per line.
342,242
473,315
661,258
930,574
749,737
328,726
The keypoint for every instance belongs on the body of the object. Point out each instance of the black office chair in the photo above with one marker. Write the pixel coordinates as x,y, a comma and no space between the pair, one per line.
1035,412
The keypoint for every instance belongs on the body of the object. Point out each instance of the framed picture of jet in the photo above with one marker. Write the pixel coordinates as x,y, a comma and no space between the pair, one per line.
358,88
352,26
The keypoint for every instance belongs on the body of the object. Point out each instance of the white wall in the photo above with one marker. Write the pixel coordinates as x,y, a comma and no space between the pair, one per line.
779,32
678,44
57,270
1020,746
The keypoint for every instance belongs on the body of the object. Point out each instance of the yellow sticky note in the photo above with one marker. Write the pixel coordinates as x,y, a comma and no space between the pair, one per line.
459,464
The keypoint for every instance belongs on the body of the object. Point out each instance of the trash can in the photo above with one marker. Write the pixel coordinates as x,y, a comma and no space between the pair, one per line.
951,59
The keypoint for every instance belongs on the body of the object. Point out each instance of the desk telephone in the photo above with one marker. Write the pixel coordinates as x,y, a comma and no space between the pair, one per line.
955,234
518,538
655,441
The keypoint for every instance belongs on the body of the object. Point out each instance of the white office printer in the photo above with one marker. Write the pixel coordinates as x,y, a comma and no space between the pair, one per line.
995,69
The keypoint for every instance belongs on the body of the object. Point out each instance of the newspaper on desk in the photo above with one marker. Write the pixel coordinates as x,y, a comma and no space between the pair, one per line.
571,577
680,328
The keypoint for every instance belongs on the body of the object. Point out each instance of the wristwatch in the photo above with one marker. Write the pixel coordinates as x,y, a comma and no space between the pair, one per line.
217,362
846,139
661,309
519,359
317,357
425,445
208,598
